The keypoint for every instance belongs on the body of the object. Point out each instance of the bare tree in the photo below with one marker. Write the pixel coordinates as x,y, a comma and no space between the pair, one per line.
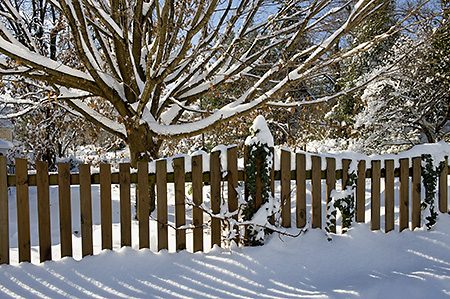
154,60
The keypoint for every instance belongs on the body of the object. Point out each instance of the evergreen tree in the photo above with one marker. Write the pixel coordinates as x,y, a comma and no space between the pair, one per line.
358,66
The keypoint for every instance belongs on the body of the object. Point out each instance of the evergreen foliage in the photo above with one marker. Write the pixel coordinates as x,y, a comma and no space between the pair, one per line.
357,66
345,205
430,176
259,163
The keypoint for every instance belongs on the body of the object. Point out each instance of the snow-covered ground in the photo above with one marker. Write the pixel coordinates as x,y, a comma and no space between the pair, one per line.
359,264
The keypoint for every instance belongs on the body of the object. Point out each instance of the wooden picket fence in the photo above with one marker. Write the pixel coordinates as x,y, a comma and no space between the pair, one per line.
215,177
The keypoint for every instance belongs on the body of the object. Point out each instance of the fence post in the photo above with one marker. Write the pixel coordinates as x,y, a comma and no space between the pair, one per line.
86,209
216,178
443,188
143,205
180,208
361,192
125,204
416,191
105,205
330,183
161,205
316,190
404,194
197,198
4,219
43,198
300,210
389,196
65,210
285,168
375,194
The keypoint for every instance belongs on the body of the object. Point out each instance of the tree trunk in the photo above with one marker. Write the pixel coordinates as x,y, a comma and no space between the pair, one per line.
143,147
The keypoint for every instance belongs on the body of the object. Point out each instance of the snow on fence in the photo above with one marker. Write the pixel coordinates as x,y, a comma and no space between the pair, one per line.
216,178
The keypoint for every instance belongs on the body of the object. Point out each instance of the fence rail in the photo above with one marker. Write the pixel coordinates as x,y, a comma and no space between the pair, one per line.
216,178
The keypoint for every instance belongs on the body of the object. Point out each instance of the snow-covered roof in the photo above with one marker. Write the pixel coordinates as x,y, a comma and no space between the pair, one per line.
6,124
5,144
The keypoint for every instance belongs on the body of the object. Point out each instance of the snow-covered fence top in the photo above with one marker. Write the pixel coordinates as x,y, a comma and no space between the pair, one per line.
193,207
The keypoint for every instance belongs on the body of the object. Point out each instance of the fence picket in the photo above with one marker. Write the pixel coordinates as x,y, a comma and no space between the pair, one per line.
197,198
43,198
180,208
443,188
23,211
4,219
416,191
125,204
161,205
375,194
105,206
285,188
389,196
84,179
300,206
86,209
361,192
345,168
232,179
232,168
272,172
316,182
404,194
330,183
216,177
65,210
143,205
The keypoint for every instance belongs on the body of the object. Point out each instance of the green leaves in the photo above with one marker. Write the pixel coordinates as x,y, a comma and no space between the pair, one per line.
429,179
258,164
345,205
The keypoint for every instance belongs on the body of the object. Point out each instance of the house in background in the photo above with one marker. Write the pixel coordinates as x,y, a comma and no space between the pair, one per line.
6,129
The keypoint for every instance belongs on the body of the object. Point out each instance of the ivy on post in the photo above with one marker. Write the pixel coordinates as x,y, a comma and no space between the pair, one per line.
430,173
258,166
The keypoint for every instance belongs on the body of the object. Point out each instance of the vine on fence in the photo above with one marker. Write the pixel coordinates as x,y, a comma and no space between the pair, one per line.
344,201
430,175
259,164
